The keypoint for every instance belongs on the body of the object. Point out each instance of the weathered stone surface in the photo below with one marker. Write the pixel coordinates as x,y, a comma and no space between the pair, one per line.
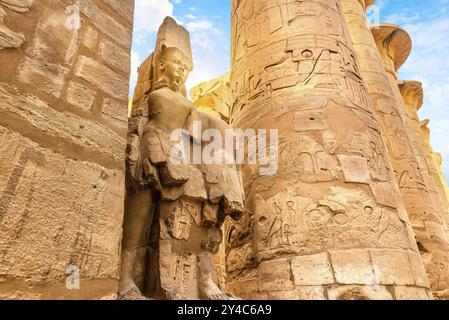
18,5
413,95
123,8
294,69
275,275
9,38
83,231
246,289
302,293
51,53
62,182
105,23
114,55
438,159
116,113
40,119
440,295
355,169
101,76
411,293
312,270
393,267
418,270
239,258
80,96
214,97
436,263
353,267
329,224
190,199
381,191
90,38
311,293
359,293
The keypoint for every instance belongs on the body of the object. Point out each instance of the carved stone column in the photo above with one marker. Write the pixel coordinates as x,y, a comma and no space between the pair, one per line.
329,224
391,41
412,94
438,159
417,188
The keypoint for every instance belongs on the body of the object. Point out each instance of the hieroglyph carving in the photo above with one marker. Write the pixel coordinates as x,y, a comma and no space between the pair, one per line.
300,225
8,37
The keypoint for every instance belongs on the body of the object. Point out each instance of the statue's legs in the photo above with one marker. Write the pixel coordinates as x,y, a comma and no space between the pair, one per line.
139,211
208,286
184,253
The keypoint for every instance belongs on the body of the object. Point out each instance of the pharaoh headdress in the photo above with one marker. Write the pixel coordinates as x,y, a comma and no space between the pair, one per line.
170,35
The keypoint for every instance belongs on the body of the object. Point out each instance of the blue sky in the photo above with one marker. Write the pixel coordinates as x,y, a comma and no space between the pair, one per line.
209,24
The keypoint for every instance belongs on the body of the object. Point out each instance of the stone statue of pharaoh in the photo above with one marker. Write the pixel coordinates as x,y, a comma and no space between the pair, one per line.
174,208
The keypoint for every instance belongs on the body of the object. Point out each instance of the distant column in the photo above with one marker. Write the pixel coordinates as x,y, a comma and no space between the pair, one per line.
391,41
413,96
380,57
438,159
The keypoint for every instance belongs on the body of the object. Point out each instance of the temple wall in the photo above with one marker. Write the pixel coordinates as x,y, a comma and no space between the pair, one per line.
63,126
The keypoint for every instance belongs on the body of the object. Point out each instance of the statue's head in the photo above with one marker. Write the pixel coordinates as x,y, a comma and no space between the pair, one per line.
174,68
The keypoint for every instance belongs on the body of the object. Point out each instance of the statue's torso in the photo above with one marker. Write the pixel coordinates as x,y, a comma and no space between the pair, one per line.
168,110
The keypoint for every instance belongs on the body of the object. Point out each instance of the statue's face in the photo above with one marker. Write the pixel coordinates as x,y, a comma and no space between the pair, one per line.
175,66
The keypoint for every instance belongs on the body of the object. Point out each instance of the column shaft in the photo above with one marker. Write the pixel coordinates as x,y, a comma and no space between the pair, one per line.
329,223
418,190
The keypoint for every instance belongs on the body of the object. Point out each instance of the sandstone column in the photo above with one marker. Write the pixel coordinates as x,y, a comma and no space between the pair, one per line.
413,96
412,93
394,45
330,223
437,158
423,203
429,228
63,125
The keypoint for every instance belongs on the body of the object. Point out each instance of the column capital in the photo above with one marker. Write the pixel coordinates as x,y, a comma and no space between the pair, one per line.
412,93
394,43
366,3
